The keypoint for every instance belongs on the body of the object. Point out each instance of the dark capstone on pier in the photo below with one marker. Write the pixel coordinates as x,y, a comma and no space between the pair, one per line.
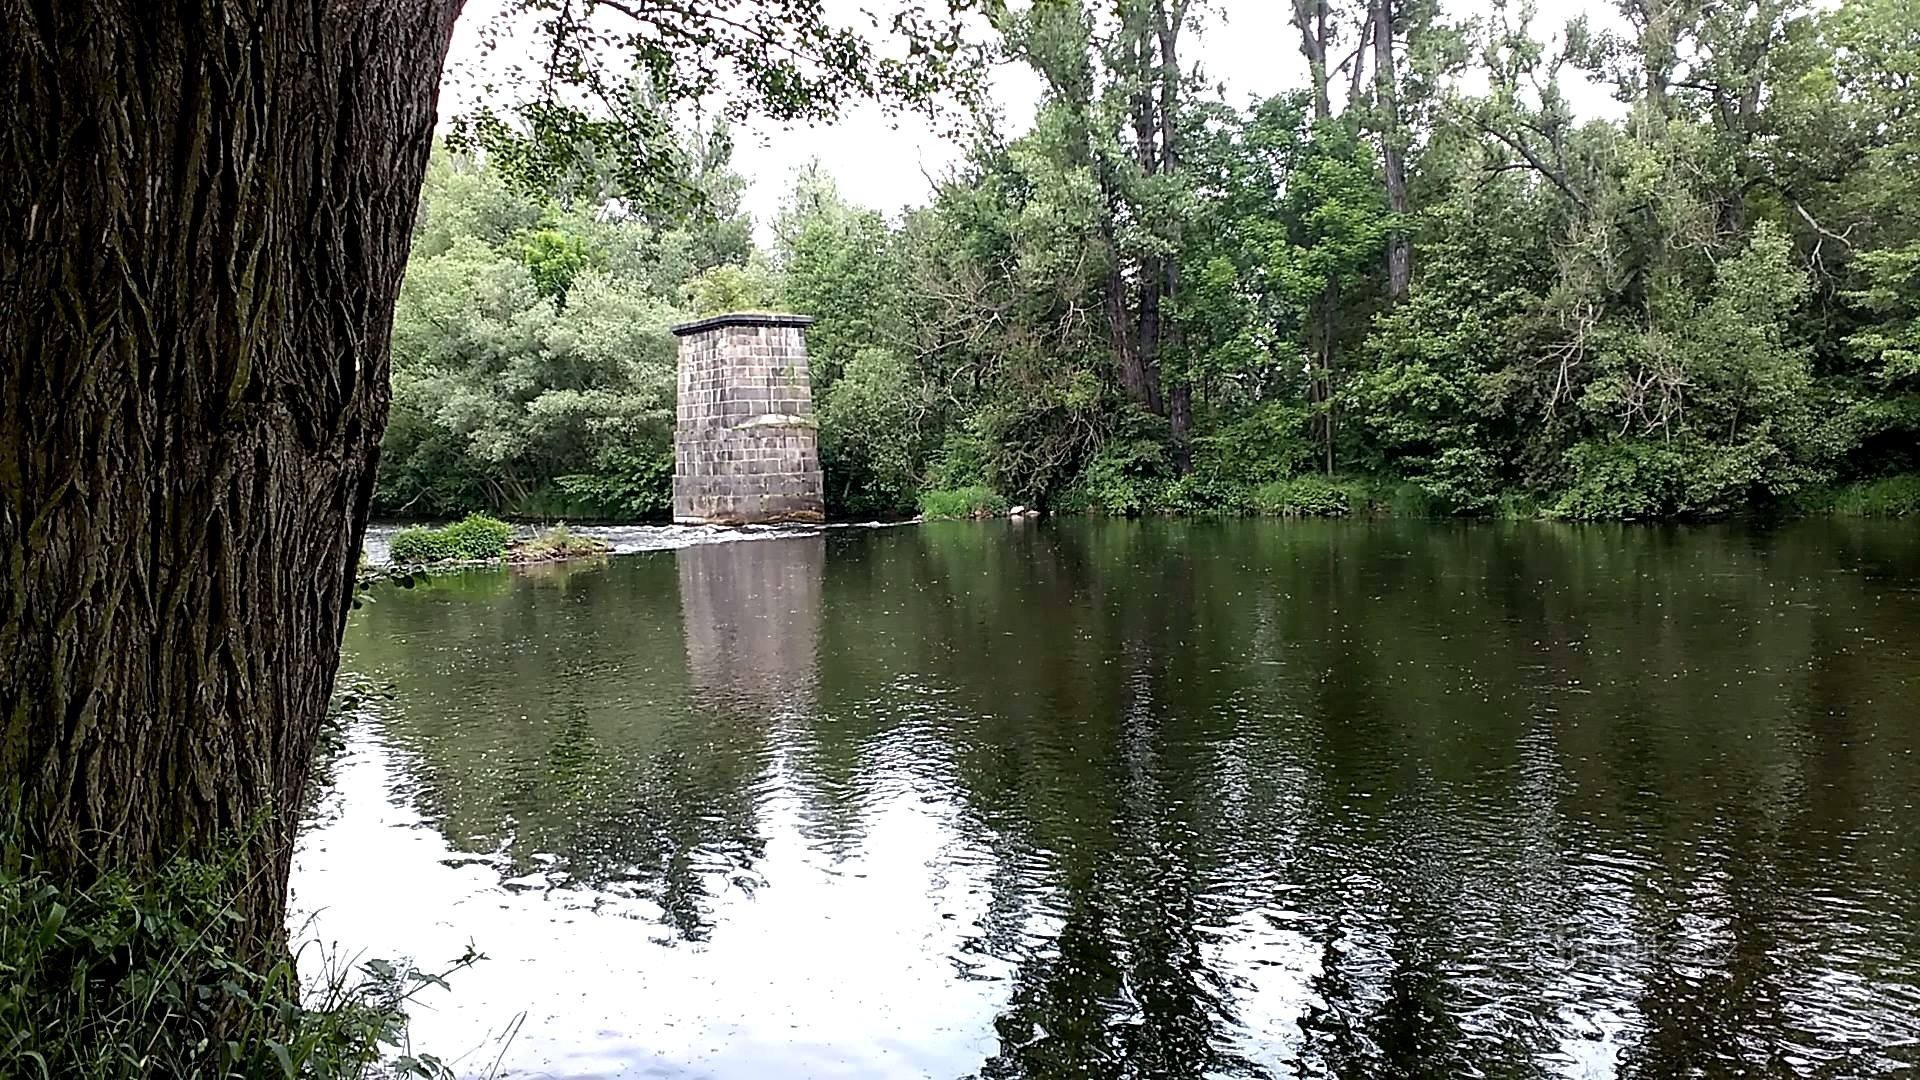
745,445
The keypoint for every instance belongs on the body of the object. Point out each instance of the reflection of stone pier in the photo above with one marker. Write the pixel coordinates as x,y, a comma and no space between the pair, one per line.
751,610
745,446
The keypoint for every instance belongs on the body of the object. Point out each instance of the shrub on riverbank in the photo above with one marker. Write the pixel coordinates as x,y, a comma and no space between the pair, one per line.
126,977
472,538
1308,496
975,501
1892,496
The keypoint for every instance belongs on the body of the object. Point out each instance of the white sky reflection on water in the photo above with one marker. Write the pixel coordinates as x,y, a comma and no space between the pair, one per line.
1241,799
807,976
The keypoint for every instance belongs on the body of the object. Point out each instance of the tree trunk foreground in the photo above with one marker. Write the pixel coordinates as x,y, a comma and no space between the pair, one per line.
205,217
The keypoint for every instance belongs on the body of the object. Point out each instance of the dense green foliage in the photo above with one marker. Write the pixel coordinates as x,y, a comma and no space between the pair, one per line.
129,978
976,501
1702,307
472,538
1154,301
1891,496
532,364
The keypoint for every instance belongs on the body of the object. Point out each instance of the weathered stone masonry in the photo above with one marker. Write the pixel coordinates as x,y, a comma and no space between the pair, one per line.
745,445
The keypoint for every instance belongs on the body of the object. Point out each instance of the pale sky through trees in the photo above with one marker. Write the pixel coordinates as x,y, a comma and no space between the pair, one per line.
1246,47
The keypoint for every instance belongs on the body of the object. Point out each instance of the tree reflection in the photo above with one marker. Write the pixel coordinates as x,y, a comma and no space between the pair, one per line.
1244,799
567,740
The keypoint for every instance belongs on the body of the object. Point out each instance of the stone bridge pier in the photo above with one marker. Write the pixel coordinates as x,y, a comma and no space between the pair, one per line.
745,445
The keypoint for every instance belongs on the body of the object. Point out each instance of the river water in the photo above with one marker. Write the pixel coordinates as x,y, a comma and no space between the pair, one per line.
1156,800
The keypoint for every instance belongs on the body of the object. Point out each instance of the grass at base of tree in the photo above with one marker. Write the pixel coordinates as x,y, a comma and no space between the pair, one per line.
976,501
128,977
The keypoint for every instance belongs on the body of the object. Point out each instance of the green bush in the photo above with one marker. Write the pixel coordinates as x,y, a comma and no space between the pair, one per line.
1040,429
478,536
1205,493
961,462
1644,480
1270,443
1405,500
1303,496
1126,475
472,538
419,545
1459,480
967,502
1623,481
628,483
1517,506
871,451
128,978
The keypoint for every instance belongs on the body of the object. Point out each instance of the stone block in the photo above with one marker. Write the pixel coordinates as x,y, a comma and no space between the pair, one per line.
730,465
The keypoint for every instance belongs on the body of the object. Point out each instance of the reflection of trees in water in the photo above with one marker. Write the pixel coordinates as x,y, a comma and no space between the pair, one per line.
1486,766
550,720
1396,1021
1078,783
1466,788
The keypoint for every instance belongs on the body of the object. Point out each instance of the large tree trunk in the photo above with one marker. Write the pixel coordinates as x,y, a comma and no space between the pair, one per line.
206,216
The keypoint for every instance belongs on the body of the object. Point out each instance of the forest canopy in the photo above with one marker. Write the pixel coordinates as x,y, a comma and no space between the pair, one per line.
1420,282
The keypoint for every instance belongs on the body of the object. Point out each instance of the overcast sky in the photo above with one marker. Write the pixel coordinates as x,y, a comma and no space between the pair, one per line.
1245,46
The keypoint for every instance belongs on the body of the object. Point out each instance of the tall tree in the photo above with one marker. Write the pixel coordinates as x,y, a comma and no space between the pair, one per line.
1393,159
201,241
201,251
1319,24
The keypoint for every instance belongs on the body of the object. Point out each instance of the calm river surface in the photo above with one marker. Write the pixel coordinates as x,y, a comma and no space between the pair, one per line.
1155,800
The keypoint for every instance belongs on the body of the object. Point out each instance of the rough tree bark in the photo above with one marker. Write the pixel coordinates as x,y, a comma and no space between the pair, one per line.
206,216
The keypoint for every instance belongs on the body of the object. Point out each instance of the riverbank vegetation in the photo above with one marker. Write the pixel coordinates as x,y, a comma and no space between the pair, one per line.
128,976
556,543
478,538
473,538
1666,270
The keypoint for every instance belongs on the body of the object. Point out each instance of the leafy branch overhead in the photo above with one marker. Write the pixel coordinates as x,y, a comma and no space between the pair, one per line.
606,77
